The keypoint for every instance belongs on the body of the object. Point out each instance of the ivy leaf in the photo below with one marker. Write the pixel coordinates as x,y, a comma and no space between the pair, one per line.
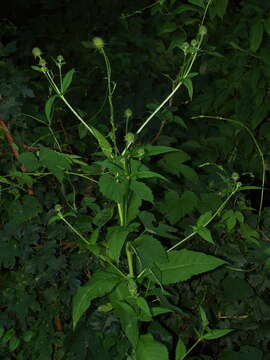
148,348
99,285
256,35
184,264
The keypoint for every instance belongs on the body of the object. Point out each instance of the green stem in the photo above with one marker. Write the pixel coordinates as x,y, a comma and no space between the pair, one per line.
129,254
121,214
189,350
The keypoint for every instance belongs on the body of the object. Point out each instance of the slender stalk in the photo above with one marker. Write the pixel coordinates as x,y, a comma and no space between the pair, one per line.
190,349
238,186
129,254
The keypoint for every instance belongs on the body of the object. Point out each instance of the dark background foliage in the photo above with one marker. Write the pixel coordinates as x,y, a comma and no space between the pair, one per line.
42,265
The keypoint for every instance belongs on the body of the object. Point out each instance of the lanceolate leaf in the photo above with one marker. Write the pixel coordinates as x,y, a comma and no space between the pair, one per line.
100,284
128,319
150,349
187,82
184,264
256,35
48,107
156,150
180,349
216,333
103,142
67,80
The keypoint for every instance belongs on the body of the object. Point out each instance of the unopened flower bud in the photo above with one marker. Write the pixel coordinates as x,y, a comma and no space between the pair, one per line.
98,43
128,113
36,52
202,30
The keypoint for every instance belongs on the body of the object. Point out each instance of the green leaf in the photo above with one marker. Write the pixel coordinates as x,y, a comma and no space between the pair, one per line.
144,307
205,321
187,82
99,285
103,142
1,332
221,7
149,174
128,319
175,207
184,264
55,162
149,250
116,237
152,150
150,349
256,35
167,28
134,204
180,349
216,333
29,160
157,310
103,216
8,335
204,218
111,188
48,107
142,190
170,162
267,26
184,8
197,2
164,230
189,173
67,80
14,343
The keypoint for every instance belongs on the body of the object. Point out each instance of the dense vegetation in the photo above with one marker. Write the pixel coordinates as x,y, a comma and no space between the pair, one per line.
135,210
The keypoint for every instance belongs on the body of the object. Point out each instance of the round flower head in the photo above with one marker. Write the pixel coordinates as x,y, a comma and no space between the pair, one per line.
36,52
202,30
128,113
98,43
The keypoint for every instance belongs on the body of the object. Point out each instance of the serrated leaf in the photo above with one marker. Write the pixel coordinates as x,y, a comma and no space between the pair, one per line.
103,142
142,190
144,174
134,205
115,238
128,319
256,35
164,230
180,349
216,333
111,188
148,348
189,173
184,264
54,161
99,285
29,160
149,250
144,307
103,216
67,80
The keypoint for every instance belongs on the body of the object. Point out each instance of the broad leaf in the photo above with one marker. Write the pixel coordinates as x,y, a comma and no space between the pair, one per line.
157,150
205,234
150,349
111,188
29,160
142,190
184,264
54,161
103,142
187,82
99,285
